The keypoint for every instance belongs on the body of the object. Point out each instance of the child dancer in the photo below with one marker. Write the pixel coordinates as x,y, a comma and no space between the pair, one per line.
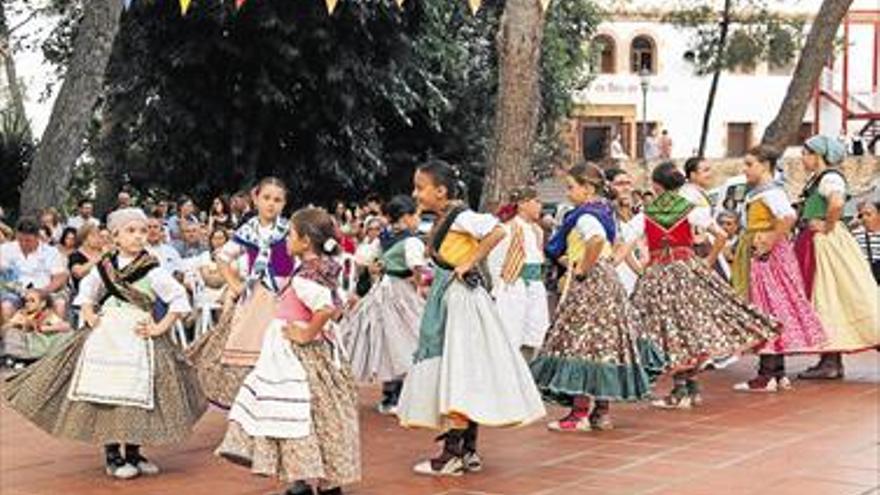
381,334
516,266
591,355
686,308
766,272
466,372
225,355
33,330
146,394
295,417
836,275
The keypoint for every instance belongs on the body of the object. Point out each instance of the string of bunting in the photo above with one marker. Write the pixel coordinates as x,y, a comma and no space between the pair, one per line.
331,5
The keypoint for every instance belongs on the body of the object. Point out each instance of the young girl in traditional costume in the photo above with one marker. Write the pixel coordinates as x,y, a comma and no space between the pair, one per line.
516,267
687,309
382,332
766,272
591,354
295,417
145,394
225,355
467,371
34,330
836,275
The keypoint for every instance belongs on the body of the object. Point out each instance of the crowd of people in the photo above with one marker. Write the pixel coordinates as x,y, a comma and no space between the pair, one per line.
467,319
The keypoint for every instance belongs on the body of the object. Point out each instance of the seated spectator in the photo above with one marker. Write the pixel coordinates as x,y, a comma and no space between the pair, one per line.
51,220
868,234
186,212
85,214
33,264
33,330
91,247
220,217
6,233
157,244
67,243
191,243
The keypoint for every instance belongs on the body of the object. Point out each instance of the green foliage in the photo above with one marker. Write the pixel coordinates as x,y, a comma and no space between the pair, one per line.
565,58
335,105
16,152
756,34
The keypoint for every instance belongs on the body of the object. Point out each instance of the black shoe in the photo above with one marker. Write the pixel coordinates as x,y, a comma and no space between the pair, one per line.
331,491
299,488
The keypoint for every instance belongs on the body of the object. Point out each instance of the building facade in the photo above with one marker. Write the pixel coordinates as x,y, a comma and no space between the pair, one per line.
636,50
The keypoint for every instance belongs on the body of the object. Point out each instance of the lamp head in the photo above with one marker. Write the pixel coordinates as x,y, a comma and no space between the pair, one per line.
645,79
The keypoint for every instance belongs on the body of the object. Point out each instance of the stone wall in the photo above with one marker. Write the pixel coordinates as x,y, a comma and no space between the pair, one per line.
861,172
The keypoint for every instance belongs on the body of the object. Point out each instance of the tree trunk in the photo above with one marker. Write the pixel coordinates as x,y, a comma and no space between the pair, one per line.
517,110
62,142
784,128
719,66
15,94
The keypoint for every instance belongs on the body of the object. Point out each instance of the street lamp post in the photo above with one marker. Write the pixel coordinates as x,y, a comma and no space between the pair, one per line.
645,83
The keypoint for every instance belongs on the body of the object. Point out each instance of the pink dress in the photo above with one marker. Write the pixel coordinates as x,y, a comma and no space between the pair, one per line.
774,283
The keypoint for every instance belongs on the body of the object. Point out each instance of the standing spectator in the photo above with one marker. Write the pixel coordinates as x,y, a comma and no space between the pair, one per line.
85,214
123,200
368,252
868,235
729,223
616,151
665,146
219,217
647,197
91,247
186,212
52,221
158,246
652,147
191,243
240,208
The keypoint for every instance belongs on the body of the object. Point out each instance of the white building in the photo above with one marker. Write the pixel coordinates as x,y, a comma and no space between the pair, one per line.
635,38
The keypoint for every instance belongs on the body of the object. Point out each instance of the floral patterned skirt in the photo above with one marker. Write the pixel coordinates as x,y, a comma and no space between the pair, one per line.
593,347
40,394
331,453
219,381
694,316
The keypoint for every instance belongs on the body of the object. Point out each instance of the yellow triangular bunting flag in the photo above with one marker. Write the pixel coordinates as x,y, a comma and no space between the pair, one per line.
475,6
544,4
184,6
331,5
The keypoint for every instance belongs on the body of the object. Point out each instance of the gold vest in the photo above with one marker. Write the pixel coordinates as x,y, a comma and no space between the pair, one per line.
759,218
457,248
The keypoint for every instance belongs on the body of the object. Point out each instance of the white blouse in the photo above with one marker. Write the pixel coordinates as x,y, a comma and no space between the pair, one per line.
166,287
479,225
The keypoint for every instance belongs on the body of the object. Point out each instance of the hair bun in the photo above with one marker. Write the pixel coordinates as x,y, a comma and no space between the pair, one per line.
330,245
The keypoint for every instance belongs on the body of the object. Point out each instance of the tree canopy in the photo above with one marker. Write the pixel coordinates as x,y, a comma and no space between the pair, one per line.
336,105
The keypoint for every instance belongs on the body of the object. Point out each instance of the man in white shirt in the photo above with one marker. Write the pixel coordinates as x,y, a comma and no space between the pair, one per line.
85,213
30,263
169,258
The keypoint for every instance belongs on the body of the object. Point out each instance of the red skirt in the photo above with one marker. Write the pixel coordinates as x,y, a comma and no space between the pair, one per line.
806,258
